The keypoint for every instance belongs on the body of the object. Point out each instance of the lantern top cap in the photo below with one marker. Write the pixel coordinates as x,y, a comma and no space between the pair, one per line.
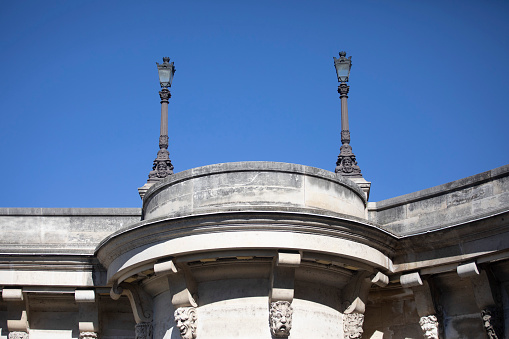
341,54
166,63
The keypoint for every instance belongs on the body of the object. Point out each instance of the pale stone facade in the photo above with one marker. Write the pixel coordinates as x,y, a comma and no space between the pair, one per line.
263,250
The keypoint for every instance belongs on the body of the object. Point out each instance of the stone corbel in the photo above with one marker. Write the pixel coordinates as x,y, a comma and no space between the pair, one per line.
283,276
354,297
485,298
184,291
182,284
355,294
17,313
282,285
141,304
88,314
380,279
424,304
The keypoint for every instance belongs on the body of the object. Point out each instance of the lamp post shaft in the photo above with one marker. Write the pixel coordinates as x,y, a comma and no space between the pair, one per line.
164,117
344,114
165,95
345,129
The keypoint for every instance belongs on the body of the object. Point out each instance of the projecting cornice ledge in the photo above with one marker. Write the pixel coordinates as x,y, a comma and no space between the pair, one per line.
340,236
483,240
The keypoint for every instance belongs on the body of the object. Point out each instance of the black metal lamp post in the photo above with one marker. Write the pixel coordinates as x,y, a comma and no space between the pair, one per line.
346,164
162,164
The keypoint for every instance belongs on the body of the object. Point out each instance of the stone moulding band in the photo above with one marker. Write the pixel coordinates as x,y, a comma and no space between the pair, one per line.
288,213
120,265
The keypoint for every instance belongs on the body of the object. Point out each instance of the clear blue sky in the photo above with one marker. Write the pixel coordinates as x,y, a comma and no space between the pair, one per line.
255,80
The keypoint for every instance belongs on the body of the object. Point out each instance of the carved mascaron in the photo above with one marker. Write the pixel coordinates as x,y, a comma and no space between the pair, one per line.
280,318
352,325
185,317
429,326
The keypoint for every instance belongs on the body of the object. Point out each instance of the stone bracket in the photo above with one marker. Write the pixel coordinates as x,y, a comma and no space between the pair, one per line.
410,280
380,279
17,310
484,296
355,294
422,293
12,294
282,277
141,302
467,270
183,286
88,313
424,304
424,300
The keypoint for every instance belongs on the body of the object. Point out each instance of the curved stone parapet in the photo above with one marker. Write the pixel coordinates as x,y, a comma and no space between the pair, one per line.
253,185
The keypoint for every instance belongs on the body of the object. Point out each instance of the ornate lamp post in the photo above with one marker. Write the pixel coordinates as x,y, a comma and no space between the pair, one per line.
346,164
162,166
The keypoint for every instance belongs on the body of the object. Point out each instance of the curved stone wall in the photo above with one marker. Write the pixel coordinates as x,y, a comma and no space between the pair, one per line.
253,185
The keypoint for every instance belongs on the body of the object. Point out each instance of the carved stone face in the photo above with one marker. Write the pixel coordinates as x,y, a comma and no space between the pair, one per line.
280,318
162,167
352,325
185,317
429,326
430,331
347,165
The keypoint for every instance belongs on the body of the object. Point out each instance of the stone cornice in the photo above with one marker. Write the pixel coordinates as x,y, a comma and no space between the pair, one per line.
298,219
356,235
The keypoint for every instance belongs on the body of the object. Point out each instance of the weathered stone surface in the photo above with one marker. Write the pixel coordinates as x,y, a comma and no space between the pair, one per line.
253,184
445,205
61,230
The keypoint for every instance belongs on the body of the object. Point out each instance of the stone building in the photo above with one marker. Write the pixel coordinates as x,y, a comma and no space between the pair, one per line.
262,250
